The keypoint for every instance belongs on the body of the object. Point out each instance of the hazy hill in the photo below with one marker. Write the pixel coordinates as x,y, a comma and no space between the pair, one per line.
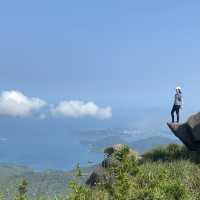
141,145
45,183
147,144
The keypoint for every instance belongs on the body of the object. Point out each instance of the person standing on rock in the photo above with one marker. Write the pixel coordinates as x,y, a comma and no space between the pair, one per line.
178,102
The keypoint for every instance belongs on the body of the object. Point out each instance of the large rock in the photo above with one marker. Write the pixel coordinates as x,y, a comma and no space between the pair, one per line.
102,174
188,132
99,176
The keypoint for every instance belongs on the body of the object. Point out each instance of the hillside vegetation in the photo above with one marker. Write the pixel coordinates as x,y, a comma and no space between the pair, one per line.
49,183
165,173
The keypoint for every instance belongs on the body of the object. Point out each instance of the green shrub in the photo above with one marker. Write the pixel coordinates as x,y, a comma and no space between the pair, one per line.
172,152
22,190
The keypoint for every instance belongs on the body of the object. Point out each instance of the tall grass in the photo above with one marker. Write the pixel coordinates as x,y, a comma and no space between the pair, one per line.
172,152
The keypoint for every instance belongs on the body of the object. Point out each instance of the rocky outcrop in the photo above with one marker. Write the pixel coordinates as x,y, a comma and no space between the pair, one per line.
188,132
102,175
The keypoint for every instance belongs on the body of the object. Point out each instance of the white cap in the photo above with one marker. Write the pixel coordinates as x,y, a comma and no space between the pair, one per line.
178,88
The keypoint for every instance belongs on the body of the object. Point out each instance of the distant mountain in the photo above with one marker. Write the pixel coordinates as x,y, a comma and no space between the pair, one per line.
147,144
141,145
47,183
100,144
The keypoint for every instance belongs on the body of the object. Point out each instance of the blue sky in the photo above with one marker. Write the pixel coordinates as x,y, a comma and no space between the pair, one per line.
126,55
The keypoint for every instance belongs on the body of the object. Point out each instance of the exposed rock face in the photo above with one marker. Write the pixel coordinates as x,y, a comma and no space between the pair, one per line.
102,175
99,175
188,132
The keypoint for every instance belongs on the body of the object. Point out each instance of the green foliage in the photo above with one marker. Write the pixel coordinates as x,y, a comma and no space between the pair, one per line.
82,192
108,150
172,152
49,183
122,154
2,197
22,190
78,171
164,173
164,180
122,172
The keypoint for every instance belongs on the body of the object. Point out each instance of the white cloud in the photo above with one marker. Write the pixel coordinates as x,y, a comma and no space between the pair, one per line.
77,109
16,104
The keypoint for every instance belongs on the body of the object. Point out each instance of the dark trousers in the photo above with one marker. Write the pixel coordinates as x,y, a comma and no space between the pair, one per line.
176,109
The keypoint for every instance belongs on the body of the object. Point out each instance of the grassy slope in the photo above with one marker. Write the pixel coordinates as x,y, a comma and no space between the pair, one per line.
170,172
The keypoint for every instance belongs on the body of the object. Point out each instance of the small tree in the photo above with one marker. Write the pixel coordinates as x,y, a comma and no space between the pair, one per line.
79,191
22,190
122,172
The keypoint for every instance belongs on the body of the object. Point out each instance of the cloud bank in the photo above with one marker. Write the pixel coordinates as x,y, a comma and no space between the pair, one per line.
16,104
77,109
